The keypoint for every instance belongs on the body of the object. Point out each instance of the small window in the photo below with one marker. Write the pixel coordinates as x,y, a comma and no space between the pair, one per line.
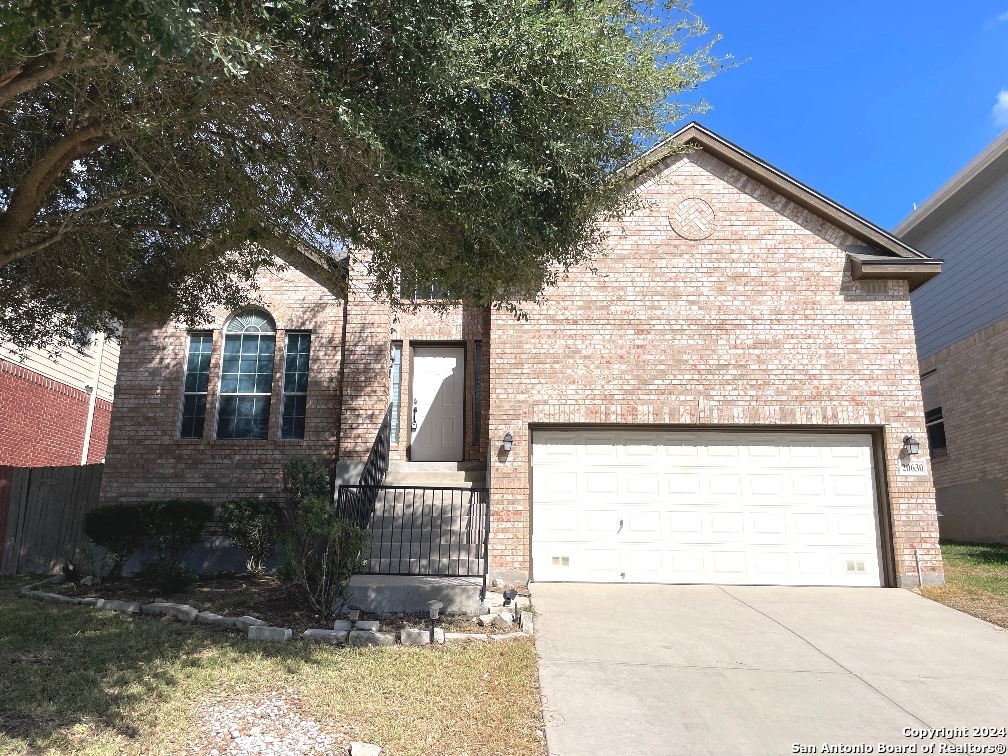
478,393
411,288
934,420
194,390
246,376
396,389
295,385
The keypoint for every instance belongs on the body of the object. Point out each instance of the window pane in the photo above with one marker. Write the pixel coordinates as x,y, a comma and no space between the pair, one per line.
396,390
936,437
292,419
193,416
478,394
246,380
293,422
194,385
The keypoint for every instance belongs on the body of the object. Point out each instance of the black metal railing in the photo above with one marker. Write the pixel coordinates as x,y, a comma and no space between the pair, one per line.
377,464
421,530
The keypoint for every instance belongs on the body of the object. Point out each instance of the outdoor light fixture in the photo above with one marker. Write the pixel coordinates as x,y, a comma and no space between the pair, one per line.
508,441
911,445
510,595
354,612
433,608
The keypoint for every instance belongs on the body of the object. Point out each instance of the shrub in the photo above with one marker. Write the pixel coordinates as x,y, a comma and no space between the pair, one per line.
120,529
253,525
322,549
175,526
166,576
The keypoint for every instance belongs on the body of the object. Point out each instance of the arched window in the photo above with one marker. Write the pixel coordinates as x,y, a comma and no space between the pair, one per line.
246,383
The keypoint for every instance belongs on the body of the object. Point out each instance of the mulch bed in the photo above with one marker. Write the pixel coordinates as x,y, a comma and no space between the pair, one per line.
261,596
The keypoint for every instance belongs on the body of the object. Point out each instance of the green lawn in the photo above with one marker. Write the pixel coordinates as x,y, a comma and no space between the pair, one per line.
976,581
75,680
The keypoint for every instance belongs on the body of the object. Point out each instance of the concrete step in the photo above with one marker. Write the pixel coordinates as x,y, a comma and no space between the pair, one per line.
449,474
396,466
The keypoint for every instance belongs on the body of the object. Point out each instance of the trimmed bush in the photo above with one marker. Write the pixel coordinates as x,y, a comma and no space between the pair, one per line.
120,529
175,526
323,550
253,525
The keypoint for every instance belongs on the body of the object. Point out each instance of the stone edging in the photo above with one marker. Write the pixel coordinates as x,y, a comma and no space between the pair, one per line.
344,632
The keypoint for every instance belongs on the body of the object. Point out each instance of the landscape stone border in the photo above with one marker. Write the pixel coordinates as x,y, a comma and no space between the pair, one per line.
344,632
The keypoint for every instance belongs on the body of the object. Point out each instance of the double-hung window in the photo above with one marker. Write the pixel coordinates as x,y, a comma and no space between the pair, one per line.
295,385
194,390
934,419
246,376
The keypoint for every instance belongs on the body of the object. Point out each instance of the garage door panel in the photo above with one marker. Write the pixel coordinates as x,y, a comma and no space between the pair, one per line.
711,506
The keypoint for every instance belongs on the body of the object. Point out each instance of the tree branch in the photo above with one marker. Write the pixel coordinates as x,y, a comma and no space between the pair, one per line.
33,73
34,187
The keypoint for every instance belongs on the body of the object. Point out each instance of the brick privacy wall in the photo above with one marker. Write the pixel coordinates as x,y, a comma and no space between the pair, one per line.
371,328
760,323
973,376
42,421
147,461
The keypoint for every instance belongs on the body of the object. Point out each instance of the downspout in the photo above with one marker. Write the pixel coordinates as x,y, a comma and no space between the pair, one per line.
95,377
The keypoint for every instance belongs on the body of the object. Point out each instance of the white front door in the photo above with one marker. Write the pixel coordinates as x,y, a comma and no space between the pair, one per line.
710,506
438,398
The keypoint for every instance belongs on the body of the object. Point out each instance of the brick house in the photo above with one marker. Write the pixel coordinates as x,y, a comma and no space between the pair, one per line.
962,344
726,398
55,409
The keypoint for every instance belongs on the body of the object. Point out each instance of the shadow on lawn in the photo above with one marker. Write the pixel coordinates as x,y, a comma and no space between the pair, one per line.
62,666
988,553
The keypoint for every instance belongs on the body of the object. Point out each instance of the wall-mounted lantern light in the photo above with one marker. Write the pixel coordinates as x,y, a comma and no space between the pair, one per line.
508,441
911,445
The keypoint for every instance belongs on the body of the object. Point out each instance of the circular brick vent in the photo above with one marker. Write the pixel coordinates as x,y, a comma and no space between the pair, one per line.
693,219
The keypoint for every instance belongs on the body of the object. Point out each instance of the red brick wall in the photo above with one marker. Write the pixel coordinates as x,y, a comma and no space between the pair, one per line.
758,323
42,421
147,461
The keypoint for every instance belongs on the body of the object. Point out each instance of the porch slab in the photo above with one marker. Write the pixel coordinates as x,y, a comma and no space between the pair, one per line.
410,593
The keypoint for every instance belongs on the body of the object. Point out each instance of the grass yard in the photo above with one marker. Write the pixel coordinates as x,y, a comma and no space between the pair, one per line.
976,581
75,680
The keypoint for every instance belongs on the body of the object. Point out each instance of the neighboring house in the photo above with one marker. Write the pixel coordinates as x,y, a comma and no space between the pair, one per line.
962,343
55,410
726,400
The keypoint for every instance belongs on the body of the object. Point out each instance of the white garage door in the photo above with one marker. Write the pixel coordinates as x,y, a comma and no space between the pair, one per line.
704,507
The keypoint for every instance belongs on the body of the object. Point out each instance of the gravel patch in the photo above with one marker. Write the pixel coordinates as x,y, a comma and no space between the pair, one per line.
269,724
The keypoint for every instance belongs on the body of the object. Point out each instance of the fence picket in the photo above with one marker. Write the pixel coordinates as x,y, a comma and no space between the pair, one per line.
45,516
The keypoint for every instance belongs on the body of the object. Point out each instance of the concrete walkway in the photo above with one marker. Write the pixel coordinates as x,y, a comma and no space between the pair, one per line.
652,669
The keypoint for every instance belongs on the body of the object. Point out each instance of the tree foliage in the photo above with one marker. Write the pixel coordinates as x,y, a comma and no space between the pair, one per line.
157,153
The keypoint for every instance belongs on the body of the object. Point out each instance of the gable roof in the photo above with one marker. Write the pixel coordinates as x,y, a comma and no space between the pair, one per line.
882,255
977,169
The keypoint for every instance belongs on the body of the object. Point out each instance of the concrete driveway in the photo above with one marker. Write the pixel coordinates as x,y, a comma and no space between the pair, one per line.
653,669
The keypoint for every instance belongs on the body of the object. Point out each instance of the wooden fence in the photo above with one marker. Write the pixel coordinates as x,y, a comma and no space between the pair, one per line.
42,516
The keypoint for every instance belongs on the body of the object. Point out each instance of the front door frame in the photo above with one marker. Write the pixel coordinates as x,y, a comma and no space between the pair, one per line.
466,358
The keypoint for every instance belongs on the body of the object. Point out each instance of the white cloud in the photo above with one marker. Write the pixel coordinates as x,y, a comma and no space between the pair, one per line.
1001,108
1003,16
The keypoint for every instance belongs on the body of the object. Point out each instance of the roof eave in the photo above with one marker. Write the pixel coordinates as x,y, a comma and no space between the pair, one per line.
915,272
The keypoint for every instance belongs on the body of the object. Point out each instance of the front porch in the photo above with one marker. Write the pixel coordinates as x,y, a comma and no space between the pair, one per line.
429,523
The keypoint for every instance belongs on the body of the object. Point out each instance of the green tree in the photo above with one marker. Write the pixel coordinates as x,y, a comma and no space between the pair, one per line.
157,153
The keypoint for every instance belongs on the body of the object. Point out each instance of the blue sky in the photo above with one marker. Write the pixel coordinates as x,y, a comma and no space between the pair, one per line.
875,104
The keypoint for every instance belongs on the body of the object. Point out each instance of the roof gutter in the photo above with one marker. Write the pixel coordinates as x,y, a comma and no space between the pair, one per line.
865,266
